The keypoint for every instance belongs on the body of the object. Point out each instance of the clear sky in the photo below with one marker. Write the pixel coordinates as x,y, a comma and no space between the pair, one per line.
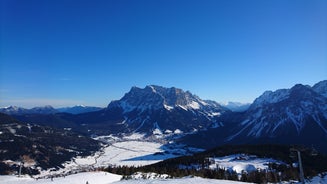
68,52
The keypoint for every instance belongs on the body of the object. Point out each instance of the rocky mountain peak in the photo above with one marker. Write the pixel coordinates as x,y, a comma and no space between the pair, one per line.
286,111
270,97
156,97
321,88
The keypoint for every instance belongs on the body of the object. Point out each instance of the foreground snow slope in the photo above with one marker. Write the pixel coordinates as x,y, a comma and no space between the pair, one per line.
188,180
81,178
106,178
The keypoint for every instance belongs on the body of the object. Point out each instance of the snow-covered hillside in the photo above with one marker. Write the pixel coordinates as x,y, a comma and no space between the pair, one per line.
296,113
189,180
242,163
107,178
80,178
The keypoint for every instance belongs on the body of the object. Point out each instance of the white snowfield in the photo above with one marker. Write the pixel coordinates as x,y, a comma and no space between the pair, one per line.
242,163
107,178
130,150
186,180
133,153
81,178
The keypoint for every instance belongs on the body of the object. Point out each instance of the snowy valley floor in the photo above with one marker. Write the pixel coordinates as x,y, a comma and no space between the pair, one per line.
133,151
127,151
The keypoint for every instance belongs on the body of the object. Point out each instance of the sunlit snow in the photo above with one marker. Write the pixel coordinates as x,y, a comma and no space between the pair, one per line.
242,162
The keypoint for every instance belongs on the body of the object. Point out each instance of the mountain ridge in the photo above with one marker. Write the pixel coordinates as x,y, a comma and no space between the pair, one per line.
298,113
48,109
286,116
156,106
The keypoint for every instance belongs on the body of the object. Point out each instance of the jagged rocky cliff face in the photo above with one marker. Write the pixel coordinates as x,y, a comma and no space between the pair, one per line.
165,109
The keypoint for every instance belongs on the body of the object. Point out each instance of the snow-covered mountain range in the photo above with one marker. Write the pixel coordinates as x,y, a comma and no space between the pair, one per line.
290,116
163,118
156,97
155,110
285,112
166,109
14,110
286,116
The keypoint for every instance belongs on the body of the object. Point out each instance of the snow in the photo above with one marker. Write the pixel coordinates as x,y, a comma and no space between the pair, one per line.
182,107
296,119
123,151
107,178
202,102
178,131
194,105
215,114
107,138
239,168
269,97
191,105
153,89
242,162
157,131
168,131
321,88
134,136
188,180
318,179
80,178
168,107
131,153
11,130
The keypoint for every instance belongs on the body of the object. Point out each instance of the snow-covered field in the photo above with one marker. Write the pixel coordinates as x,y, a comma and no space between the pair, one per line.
188,180
107,178
130,150
81,178
133,150
242,162
132,153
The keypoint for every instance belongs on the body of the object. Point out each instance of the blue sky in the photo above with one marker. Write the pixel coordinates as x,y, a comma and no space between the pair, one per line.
67,52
